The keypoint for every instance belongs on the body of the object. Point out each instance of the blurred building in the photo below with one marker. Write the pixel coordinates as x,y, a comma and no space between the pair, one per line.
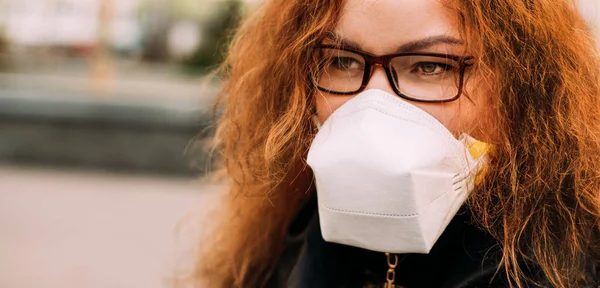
68,23
94,83
156,26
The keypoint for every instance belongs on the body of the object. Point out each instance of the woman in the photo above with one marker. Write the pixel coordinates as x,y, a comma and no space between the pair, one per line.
519,75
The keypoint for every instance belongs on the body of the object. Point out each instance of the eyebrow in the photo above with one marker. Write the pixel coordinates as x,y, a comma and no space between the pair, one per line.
411,46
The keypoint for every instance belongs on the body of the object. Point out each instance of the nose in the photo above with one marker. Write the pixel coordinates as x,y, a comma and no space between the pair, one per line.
379,80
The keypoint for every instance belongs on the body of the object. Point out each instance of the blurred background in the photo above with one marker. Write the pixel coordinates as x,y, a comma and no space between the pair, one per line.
104,117
109,84
104,113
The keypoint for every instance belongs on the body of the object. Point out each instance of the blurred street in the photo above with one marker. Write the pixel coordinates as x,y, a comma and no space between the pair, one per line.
66,229
144,122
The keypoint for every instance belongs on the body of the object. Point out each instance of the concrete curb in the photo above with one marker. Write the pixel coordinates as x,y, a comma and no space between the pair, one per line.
70,128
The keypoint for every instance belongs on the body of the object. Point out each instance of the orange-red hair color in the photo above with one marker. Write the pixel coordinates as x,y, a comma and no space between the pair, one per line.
540,195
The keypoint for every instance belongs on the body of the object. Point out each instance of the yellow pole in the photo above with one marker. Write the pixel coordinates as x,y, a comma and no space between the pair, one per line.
103,65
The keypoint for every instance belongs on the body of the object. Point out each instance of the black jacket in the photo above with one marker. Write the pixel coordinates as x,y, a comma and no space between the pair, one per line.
464,256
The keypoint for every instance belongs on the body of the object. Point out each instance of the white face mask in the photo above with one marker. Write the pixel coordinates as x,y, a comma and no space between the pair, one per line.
389,176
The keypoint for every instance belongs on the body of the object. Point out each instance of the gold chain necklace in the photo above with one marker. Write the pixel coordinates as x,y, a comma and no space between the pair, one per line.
392,261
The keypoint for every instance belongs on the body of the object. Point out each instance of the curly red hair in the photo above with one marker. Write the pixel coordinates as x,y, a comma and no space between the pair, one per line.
540,195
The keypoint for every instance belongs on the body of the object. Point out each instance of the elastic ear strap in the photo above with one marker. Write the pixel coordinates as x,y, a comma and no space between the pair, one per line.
316,122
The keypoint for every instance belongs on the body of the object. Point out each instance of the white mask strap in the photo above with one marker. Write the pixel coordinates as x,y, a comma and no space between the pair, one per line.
316,122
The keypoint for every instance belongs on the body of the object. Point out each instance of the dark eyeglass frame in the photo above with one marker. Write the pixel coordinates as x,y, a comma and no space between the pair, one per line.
384,61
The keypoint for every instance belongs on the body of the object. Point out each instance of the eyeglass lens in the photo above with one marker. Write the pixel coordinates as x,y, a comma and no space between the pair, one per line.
421,77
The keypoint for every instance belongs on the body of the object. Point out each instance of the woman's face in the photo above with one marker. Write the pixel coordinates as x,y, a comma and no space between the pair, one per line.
380,27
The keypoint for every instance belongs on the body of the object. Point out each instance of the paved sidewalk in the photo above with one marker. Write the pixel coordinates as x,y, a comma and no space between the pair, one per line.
62,229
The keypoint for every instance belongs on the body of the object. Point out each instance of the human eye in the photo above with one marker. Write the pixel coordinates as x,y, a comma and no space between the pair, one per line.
344,63
430,68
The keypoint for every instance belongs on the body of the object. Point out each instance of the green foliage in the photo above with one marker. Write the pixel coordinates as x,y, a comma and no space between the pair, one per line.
216,35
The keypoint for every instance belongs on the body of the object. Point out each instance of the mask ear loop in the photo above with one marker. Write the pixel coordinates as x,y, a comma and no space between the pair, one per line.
317,124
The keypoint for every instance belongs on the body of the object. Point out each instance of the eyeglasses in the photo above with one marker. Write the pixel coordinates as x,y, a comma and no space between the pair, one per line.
422,77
